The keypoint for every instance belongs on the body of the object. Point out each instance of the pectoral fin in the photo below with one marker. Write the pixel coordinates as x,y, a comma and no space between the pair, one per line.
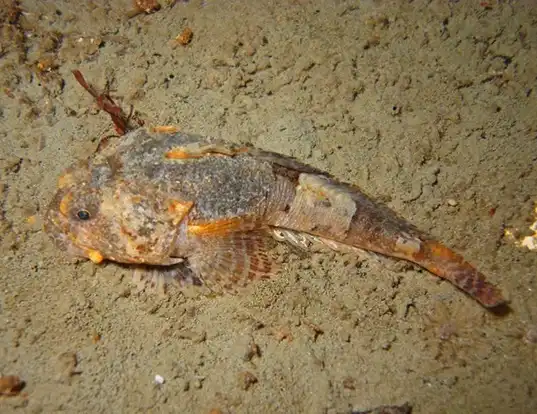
228,262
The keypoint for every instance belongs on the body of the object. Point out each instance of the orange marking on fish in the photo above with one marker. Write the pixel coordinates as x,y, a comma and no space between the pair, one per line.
220,227
179,154
179,209
95,256
434,256
440,251
165,129
65,180
65,204
184,153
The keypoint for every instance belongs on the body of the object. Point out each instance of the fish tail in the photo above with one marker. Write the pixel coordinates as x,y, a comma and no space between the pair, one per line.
445,263
342,213
378,229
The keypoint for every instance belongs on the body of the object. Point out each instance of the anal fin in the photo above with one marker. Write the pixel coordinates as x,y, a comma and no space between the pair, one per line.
305,242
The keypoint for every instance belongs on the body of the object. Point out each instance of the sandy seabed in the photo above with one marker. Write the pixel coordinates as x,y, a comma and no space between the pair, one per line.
429,106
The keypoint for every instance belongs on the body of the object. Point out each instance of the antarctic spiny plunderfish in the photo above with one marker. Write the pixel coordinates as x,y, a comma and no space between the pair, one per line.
194,210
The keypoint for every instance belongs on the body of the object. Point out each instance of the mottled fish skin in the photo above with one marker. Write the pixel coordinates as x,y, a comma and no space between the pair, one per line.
207,209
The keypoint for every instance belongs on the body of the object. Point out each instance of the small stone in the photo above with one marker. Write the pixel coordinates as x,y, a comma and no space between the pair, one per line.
316,330
196,337
66,367
186,386
185,37
257,325
345,335
452,203
530,242
251,68
10,385
251,351
197,383
11,165
395,110
147,6
531,335
95,337
386,345
246,380
122,293
349,383
283,333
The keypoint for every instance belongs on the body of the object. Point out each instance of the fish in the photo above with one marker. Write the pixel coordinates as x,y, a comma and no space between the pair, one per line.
195,210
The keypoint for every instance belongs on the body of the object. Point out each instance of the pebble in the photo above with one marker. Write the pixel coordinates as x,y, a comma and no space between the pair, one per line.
196,337
66,366
10,385
531,335
349,383
198,382
315,329
252,350
452,203
395,110
345,335
184,385
247,379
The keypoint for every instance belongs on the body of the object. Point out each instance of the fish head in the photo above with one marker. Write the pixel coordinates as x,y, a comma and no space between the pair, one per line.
114,220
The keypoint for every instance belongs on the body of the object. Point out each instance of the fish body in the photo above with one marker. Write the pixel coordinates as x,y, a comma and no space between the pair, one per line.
205,212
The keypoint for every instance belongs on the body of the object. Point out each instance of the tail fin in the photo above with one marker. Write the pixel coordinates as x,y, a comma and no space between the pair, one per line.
447,264
335,211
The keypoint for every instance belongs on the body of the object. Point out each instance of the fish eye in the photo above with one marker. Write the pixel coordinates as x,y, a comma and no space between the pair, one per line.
83,215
